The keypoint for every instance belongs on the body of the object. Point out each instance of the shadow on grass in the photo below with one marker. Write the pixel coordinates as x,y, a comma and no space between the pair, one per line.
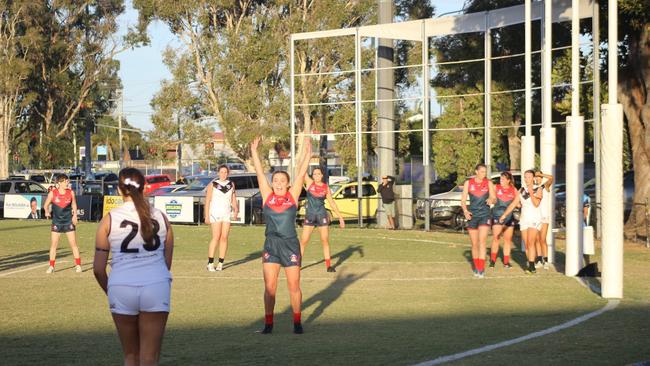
42,223
341,256
25,259
363,339
249,258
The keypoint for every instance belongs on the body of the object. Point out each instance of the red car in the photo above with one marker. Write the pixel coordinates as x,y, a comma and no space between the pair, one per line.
154,182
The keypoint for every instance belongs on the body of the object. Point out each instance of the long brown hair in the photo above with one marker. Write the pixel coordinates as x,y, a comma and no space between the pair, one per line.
135,190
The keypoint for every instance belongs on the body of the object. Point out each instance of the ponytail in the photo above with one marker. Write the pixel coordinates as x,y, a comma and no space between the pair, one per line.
131,184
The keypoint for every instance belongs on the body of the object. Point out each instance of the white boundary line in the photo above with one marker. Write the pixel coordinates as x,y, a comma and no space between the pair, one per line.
408,279
405,239
4,274
611,304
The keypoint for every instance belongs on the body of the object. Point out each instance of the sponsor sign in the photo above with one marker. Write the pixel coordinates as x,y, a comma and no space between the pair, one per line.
84,208
177,208
23,206
110,202
102,150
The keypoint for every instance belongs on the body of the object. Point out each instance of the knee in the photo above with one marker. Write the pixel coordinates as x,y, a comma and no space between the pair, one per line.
270,289
149,358
294,287
132,358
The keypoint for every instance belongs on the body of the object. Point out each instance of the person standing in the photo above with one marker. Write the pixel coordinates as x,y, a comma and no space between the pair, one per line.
281,245
220,201
139,285
544,183
64,220
317,216
480,192
531,217
388,199
506,192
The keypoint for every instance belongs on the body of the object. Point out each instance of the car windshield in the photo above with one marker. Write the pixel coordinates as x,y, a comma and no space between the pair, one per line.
334,188
199,184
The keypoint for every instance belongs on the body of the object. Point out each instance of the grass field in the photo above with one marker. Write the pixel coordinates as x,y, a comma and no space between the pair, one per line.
398,298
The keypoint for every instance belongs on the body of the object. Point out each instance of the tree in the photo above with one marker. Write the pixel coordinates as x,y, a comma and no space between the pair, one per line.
16,45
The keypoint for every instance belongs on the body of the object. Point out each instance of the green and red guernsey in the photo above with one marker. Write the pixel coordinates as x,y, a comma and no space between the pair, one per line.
61,207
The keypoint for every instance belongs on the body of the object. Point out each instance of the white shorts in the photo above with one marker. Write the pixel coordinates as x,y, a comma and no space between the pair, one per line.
219,217
524,224
545,220
131,300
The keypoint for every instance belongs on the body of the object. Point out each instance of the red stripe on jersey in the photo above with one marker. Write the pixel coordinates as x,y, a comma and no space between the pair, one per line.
506,193
280,203
477,189
62,199
318,191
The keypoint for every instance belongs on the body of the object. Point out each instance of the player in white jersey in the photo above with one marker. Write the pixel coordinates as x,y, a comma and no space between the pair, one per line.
138,288
220,204
544,182
530,220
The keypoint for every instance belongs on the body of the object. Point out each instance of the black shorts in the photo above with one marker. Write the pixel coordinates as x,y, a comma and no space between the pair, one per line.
63,228
478,220
316,219
285,252
508,222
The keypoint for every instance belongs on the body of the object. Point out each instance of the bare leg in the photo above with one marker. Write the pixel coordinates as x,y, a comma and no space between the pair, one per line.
293,282
151,327
72,240
127,330
325,241
496,232
391,222
473,237
507,240
483,232
223,239
542,240
216,236
531,238
271,272
304,238
54,243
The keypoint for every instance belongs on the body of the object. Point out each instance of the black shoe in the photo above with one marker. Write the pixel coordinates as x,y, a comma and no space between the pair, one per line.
491,264
331,269
297,328
268,329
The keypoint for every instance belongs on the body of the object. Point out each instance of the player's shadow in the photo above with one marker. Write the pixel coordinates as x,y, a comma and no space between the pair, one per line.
330,294
41,224
25,259
249,258
341,256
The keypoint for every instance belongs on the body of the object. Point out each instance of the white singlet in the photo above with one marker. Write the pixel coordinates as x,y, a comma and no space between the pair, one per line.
544,206
220,203
134,263
531,216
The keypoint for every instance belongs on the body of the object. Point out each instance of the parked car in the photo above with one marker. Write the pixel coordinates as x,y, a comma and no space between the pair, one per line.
153,182
590,190
346,198
19,187
167,189
105,176
446,206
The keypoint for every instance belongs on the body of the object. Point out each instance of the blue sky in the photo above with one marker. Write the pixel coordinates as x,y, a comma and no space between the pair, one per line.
142,70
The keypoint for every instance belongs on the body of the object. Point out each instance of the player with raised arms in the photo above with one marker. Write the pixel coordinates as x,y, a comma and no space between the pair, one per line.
64,220
281,246
316,215
138,288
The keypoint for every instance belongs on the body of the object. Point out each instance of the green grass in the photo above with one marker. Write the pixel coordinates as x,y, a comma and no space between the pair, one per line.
397,298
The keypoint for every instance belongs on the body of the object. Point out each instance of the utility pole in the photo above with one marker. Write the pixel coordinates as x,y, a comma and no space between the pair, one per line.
120,111
89,128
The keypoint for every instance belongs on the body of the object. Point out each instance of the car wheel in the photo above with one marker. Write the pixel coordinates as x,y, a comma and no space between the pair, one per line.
458,221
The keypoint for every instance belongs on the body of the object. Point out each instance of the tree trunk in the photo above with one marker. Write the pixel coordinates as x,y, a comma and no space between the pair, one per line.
634,96
514,144
7,121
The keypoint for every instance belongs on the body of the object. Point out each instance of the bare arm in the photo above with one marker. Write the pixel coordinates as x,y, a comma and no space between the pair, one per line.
233,202
102,248
169,244
265,188
46,205
75,219
332,203
535,197
308,180
492,199
515,203
296,188
206,205
463,200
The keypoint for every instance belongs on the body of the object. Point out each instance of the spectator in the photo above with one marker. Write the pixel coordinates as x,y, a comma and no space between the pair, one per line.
388,199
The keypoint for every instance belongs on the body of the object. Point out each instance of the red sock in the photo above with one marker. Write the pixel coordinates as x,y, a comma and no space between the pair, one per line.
268,319
481,264
52,262
506,259
328,263
476,263
296,318
493,256
77,261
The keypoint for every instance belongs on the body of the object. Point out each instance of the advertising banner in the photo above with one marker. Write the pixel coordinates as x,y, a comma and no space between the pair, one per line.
84,208
23,206
110,202
177,208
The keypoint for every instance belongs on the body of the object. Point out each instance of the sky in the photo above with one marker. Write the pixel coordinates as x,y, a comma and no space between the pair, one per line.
142,69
